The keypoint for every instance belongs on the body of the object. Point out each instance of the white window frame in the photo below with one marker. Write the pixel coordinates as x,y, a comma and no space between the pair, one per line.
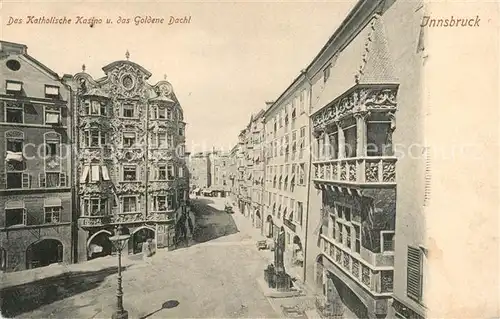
136,173
7,82
155,203
52,210
87,138
122,202
48,86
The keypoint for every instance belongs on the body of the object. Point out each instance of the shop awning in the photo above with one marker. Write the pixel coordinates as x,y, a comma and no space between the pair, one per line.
52,202
14,204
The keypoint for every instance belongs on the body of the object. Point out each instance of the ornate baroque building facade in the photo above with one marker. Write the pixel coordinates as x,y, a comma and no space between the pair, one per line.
130,168
35,172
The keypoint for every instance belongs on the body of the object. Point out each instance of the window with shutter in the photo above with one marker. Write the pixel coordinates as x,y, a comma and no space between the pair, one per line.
41,180
26,180
414,273
62,180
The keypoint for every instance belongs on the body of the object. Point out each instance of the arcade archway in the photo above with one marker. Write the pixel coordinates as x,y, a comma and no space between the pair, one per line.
298,253
44,253
140,236
99,245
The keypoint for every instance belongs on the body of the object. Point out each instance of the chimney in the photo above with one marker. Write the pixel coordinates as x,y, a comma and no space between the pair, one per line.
269,103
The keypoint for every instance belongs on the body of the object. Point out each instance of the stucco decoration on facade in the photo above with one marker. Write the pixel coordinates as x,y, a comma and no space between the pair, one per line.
357,101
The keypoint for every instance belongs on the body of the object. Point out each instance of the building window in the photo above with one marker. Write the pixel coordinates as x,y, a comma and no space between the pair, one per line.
52,215
300,212
94,138
326,72
14,217
95,206
414,273
129,204
302,173
169,114
350,136
160,203
379,136
15,213
170,172
387,241
51,91
340,232
181,131
14,112
129,139
162,172
129,173
161,113
128,110
51,148
162,140
14,87
181,174
348,235
357,235
52,180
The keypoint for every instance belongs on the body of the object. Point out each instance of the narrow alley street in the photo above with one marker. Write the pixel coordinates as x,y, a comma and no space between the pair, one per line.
215,276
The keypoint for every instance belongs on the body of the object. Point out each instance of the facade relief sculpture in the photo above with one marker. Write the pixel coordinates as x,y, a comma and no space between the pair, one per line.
359,100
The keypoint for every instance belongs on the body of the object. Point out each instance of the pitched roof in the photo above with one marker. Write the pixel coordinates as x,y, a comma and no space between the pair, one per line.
365,60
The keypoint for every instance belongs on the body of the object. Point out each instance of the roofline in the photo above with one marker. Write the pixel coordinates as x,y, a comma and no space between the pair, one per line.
343,26
278,100
340,29
112,64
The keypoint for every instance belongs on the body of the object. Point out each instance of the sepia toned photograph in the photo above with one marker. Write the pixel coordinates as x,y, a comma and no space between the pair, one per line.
216,159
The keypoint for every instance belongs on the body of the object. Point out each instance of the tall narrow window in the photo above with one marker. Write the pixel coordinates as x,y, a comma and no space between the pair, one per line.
170,172
162,172
379,136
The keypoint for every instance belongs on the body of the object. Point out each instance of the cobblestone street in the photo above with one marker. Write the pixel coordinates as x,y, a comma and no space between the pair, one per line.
213,277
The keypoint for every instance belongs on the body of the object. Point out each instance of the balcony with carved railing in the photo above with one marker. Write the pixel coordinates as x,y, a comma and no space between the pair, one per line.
375,171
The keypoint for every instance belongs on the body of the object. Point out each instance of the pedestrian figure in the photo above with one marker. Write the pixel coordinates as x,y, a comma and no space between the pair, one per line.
147,250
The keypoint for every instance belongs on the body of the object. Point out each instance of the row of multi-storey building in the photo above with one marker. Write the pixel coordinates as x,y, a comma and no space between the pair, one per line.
81,156
338,163
209,173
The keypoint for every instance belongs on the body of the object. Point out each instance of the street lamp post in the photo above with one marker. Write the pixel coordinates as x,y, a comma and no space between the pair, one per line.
119,242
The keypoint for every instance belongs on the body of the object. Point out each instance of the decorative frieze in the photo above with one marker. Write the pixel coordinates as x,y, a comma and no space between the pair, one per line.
358,100
130,188
128,218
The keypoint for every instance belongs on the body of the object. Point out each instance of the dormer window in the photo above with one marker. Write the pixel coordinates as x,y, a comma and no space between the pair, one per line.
51,91
13,87
326,72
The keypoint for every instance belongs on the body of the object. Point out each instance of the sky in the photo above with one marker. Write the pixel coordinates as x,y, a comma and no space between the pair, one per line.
223,65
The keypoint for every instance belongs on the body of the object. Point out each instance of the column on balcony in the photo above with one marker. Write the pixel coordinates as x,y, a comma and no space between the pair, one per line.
361,132
341,141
